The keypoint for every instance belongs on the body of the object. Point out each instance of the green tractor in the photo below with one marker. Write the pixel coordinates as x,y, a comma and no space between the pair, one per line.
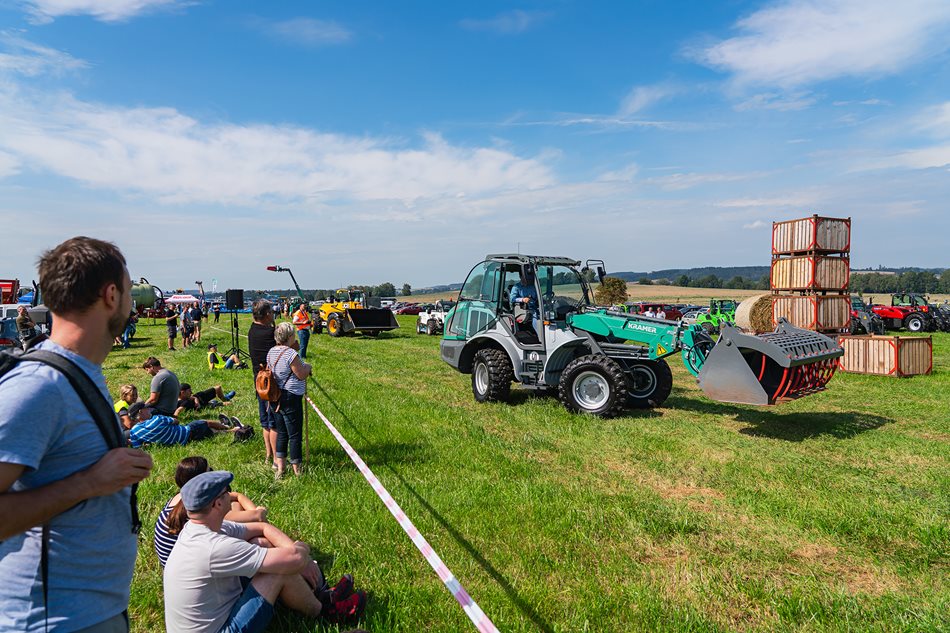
601,360
721,312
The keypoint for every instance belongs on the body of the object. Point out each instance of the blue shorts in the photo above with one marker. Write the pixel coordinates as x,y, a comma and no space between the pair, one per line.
266,412
229,363
250,614
199,431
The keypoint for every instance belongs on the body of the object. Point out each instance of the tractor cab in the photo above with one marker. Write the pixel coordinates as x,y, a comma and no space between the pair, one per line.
910,300
519,303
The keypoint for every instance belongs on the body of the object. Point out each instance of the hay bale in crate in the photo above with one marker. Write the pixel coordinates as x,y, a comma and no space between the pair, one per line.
811,272
886,355
814,234
755,314
821,313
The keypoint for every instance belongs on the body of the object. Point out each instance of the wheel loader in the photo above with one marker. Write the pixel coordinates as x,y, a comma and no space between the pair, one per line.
601,361
347,313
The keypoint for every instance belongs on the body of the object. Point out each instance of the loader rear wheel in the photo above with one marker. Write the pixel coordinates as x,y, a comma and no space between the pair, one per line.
491,375
649,384
432,327
334,325
710,328
914,322
593,384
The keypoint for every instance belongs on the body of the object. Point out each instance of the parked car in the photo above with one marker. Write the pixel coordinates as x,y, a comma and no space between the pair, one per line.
672,312
9,337
412,309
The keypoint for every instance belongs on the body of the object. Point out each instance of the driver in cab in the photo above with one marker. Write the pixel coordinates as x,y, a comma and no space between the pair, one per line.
524,294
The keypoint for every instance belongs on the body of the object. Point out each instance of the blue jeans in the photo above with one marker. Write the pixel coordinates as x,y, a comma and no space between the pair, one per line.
250,614
290,427
303,336
266,412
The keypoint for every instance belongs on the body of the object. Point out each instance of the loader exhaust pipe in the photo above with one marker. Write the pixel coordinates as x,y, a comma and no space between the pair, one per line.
769,368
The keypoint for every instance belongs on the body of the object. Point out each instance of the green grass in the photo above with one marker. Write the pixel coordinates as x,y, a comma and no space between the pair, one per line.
831,513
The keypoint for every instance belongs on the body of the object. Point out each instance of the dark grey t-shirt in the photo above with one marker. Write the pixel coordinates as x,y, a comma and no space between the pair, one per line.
166,385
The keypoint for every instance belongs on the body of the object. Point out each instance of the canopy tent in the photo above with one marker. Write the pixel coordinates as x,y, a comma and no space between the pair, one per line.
181,299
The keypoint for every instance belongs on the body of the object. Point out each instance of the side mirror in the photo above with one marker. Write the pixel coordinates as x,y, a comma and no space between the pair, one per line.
601,273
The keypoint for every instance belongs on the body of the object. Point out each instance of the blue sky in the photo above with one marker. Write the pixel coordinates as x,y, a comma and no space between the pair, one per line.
371,142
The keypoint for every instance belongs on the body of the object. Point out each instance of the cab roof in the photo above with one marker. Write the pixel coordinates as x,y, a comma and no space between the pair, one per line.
537,260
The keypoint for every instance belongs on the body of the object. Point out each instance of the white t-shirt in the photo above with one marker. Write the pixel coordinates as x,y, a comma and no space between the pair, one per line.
203,576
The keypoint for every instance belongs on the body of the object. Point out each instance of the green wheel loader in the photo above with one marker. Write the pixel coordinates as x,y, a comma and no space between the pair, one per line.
548,334
721,312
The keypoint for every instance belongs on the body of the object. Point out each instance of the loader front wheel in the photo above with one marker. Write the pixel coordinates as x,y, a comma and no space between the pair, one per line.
914,322
649,384
593,384
334,325
432,328
491,375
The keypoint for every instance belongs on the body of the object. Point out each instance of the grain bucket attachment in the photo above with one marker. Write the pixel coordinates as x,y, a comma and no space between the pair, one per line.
371,320
768,368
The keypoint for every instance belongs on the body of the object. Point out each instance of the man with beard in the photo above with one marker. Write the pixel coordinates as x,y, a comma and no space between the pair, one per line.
67,544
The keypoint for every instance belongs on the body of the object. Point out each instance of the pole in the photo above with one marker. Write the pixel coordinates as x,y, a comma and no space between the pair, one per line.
306,419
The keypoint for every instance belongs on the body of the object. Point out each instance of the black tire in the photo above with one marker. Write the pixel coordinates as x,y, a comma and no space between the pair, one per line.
318,325
335,325
855,327
373,333
432,328
914,322
593,384
710,328
419,328
491,375
649,383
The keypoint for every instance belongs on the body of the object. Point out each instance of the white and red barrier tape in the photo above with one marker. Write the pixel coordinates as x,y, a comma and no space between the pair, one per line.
471,608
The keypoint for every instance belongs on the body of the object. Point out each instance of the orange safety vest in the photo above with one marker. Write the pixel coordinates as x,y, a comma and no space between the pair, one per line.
302,320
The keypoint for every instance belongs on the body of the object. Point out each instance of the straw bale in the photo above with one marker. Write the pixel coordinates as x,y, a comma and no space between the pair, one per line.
755,314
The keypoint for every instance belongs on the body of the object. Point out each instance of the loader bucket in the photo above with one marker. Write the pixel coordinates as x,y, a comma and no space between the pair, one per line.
768,368
372,319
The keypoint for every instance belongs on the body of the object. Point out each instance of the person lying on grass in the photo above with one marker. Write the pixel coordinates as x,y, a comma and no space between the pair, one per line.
166,431
217,361
188,401
173,516
215,579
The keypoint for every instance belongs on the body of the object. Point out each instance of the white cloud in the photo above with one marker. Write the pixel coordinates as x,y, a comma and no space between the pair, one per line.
103,10
758,224
9,165
743,203
176,158
625,174
642,97
680,181
777,101
507,23
29,59
798,42
308,32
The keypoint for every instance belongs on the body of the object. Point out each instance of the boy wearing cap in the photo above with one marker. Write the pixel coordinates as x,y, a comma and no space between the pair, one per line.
216,580
215,361
187,400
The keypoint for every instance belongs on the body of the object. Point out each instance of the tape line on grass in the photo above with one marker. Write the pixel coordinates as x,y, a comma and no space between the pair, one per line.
471,608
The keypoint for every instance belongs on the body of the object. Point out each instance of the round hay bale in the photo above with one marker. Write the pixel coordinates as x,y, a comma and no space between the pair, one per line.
755,314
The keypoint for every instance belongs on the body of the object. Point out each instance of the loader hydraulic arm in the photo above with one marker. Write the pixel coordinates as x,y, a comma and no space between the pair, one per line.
281,269
661,337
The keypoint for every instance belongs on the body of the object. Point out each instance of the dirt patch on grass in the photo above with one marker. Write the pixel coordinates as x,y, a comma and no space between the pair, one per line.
837,568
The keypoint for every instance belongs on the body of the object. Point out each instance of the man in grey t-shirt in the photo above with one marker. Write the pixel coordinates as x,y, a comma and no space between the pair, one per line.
206,577
163,396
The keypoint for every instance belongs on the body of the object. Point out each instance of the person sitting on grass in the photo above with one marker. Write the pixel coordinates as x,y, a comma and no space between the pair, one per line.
173,516
128,395
216,361
216,580
166,431
188,401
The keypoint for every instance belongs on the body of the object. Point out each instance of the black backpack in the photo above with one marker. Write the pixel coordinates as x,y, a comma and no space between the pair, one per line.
100,410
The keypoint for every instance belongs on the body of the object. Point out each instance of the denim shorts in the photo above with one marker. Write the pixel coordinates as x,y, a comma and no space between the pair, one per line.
199,431
250,614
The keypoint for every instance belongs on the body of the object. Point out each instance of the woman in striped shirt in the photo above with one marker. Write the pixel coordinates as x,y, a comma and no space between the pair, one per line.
173,516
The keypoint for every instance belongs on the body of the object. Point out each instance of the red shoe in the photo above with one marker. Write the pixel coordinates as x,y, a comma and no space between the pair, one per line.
349,609
343,589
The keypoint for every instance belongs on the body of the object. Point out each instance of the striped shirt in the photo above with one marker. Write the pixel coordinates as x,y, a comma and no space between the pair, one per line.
282,371
159,429
164,542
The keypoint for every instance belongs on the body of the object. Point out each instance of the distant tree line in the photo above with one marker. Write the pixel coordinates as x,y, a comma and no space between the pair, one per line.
907,281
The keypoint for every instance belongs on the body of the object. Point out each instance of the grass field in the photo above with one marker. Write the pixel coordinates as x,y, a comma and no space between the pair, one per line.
831,513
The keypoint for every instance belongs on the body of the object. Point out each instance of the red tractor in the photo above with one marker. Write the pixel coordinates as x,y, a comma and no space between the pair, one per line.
908,310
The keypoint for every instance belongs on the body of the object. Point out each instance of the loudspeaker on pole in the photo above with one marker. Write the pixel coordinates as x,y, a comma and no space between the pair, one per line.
234,299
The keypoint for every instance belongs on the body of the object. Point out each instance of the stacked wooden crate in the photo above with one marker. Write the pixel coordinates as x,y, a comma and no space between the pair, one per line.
887,355
811,268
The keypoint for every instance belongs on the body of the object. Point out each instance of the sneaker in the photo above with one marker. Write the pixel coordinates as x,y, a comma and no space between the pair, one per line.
343,589
225,420
236,423
229,395
349,609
